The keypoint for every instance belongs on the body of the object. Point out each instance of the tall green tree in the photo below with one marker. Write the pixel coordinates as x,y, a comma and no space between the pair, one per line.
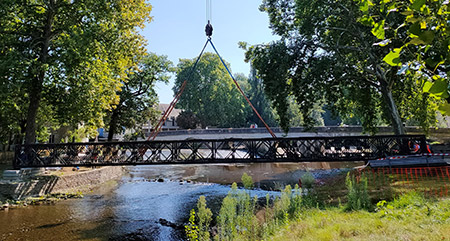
70,56
137,98
259,101
325,52
210,93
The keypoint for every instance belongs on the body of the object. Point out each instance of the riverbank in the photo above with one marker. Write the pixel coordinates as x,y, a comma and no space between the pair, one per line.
297,214
57,182
407,218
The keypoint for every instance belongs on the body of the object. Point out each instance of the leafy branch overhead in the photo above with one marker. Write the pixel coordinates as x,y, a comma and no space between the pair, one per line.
137,97
346,54
424,51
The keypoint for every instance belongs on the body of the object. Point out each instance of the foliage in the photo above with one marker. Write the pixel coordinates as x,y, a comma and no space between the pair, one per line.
204,217
307,180
236,216
410,205
134,136
328,55
69,57
294,215
423,32
289,204
247,181
188,120
210,93
226,220
137,96
357,196
334,224
259,100
191,229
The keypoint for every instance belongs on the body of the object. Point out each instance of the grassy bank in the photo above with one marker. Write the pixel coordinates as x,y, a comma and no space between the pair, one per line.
416,220
325,212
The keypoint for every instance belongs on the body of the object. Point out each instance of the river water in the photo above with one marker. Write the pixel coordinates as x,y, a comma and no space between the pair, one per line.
138,207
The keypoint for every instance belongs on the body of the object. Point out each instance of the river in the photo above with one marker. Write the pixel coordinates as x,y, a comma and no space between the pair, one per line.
139,207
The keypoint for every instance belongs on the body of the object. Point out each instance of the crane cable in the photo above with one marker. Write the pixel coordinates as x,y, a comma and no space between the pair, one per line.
242,92
183,86
175,100
208,10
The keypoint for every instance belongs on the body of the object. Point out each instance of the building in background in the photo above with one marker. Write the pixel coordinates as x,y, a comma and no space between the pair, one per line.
169,124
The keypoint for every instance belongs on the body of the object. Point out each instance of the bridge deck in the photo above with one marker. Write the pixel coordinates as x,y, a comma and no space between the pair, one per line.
411,161
301,149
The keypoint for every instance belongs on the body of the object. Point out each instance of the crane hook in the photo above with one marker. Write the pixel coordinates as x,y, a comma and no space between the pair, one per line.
209,29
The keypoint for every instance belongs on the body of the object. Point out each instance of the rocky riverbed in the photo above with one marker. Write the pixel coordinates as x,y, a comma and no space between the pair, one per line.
147,203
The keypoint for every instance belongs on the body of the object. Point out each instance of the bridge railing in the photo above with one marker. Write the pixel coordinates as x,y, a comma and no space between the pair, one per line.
302,149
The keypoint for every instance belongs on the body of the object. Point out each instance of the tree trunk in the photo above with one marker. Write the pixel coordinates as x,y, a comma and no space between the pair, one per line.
35,98
37,79
113,124
396,121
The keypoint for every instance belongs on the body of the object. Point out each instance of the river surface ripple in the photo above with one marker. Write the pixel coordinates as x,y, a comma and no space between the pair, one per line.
138,208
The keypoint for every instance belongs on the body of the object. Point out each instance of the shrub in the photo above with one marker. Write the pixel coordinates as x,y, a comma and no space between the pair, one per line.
227,219
357,196
414,206
307,180
237,216
247,181
191,229
187,120
204,217
410,198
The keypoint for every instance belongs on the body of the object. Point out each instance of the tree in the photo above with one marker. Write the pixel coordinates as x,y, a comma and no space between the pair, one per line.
69,57
210,93
187,120
325,52
137,97
424,54
259,101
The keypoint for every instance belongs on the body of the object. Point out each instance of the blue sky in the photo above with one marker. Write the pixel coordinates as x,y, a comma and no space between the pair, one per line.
177,30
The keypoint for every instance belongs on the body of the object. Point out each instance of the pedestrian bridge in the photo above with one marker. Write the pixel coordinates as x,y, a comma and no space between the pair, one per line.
233,150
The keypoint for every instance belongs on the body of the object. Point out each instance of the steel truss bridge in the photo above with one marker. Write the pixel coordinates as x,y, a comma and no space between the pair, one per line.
203,151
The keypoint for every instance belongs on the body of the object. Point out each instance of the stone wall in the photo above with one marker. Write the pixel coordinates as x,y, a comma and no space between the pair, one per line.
79,181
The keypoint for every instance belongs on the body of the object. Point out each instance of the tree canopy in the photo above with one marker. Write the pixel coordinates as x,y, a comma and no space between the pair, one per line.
137,97
260,102
425,36
210,93
68,58
327,54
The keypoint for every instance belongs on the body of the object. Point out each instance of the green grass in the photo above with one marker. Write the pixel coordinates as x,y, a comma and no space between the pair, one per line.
335,224
411,216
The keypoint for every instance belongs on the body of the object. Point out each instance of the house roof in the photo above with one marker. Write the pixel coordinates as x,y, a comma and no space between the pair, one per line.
175,112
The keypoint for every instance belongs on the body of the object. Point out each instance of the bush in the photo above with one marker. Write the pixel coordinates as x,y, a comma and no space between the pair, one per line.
247,181
236,216
307,180
204,217
227,218
198,226
357,196
187,120
191,229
